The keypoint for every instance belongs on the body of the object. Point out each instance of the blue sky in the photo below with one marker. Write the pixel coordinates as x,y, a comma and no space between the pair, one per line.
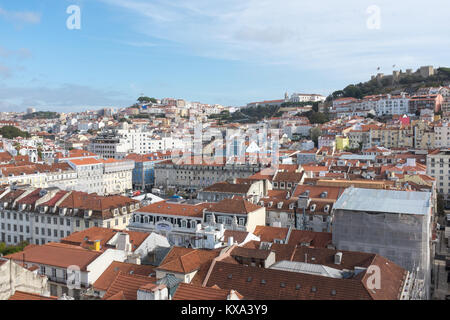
214,51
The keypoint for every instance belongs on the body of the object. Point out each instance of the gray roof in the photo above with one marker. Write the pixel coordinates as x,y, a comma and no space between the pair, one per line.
357,157
390,201
309,268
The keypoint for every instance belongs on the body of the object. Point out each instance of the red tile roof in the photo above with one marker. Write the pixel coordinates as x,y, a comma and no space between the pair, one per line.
87,237
238,206
56,254
126,286
190,292
110,274
169,208
20,295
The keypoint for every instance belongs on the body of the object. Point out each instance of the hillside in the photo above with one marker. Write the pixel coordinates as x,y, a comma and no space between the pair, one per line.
41,115
10,132
387,84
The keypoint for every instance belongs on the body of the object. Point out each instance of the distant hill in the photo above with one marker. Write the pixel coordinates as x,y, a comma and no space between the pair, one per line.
396,83
41,115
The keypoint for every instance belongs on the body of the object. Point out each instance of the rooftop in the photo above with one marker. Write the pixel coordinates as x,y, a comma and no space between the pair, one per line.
406,202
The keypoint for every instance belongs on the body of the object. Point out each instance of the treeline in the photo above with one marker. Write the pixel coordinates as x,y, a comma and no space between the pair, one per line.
41,115
407,83
5,250
248,115
11,132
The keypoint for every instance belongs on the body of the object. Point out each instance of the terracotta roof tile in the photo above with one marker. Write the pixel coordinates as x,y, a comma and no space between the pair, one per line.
20,295
109,275
190,292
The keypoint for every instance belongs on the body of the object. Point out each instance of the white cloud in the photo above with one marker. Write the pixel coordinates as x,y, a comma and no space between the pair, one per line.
62,98
21,16
321,34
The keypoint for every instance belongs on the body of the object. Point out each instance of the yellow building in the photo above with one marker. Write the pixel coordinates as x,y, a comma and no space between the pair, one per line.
342,143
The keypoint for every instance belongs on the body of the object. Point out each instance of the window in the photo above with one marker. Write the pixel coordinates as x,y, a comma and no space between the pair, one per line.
42,269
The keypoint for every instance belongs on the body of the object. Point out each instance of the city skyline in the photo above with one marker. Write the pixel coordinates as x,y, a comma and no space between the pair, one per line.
228,53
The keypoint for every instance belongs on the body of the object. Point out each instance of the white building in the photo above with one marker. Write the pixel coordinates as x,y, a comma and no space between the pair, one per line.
390,105
300,97
40,216
71,270
442,135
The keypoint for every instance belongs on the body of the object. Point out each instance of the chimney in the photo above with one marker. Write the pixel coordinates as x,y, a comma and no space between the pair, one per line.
97,245
134,259
230,241
338,258
411,162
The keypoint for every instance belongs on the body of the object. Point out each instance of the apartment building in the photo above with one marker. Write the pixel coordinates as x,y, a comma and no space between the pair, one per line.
194,175
235,214
144,169
39,215
438,167
117,143
104,177
442,135
301,97
175,219
390,105
398,228
59,175
252,190
432,102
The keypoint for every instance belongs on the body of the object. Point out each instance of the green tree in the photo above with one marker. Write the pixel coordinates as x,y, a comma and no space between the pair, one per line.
11,132
146,100
315,133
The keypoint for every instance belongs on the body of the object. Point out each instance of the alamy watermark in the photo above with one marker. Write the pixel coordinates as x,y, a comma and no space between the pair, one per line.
74,20
374,20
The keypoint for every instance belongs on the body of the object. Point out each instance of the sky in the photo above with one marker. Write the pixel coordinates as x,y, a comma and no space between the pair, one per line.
229,52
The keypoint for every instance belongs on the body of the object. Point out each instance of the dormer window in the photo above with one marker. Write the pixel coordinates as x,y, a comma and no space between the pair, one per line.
313,207
280,205
326,208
